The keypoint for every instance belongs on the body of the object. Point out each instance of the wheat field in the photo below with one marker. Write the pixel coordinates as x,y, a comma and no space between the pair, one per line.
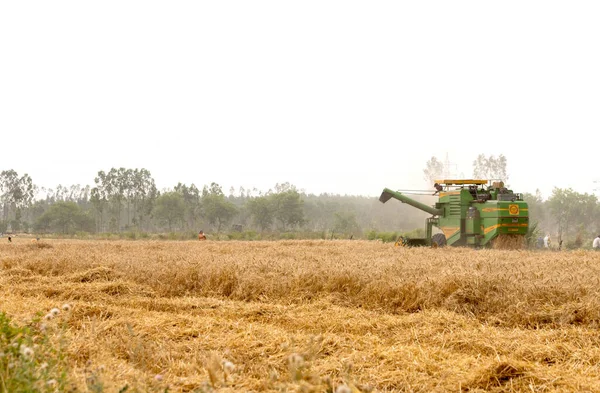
308,316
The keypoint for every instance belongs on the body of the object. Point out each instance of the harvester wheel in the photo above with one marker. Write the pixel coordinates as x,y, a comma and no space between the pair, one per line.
438,240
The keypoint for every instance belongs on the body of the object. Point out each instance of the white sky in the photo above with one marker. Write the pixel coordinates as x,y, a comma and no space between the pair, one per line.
343,97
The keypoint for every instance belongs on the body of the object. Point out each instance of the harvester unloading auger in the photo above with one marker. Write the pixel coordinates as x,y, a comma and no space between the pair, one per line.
470,214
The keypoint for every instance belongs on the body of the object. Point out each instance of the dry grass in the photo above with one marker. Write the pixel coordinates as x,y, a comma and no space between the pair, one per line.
509,242
314,315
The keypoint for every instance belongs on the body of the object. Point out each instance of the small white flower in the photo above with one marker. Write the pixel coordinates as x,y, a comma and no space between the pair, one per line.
55,311
44,366
48,317
158,377
296,360
66,307
228,366
27,352
52,383
343,389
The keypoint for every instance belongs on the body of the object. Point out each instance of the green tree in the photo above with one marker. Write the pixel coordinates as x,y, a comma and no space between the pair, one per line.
65,217
170,208
345,222
215,208
16,193
132,189
191,199
121,182
99,200
105,194
261,211
143,195
573,211
287,206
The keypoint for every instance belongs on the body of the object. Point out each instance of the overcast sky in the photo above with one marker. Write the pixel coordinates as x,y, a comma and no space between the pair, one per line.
333,96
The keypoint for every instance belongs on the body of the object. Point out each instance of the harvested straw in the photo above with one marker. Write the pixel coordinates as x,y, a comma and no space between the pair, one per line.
509,242
311,315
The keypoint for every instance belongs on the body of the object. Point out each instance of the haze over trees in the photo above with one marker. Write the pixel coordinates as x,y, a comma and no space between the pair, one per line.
127,200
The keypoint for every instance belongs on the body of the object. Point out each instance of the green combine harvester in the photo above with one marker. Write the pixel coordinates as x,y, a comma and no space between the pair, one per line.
470,213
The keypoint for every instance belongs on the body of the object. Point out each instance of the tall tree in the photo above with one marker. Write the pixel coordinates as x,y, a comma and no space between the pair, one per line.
191,200
345,222
170,208
261,211
288,206
16,193
132,189
144,196
490,167
433,171
215,208
100,198
573,211
65,217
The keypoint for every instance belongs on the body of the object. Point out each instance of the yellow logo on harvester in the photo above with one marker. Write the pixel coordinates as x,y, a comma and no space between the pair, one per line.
513,210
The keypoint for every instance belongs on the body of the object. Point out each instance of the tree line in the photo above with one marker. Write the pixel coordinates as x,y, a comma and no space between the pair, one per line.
128,200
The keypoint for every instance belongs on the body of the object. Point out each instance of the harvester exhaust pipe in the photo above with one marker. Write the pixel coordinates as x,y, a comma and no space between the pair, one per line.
388,194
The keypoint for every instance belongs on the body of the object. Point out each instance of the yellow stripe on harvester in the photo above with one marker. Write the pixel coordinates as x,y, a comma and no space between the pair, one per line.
489,229
493,209
498,209
446,193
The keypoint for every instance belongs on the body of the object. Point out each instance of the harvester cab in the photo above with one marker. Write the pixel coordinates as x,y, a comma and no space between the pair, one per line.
470,212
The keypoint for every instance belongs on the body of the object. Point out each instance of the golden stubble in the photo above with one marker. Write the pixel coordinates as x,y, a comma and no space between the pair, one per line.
313,315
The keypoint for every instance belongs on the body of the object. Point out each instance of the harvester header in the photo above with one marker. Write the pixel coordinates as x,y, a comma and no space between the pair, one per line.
470,212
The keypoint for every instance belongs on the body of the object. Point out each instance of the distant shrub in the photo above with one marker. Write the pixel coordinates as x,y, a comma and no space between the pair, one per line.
82,235
390,237
246,235
385,237
287,236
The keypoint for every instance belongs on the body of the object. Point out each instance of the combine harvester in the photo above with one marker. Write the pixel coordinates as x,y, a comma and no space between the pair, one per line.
470,213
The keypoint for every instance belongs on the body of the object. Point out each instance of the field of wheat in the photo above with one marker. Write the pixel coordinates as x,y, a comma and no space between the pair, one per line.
307,316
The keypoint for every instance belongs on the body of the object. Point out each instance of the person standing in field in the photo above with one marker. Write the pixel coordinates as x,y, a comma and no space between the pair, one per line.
547,241
201,235
540,243
596,243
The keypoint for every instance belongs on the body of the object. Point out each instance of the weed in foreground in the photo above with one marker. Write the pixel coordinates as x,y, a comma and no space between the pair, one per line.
31,360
